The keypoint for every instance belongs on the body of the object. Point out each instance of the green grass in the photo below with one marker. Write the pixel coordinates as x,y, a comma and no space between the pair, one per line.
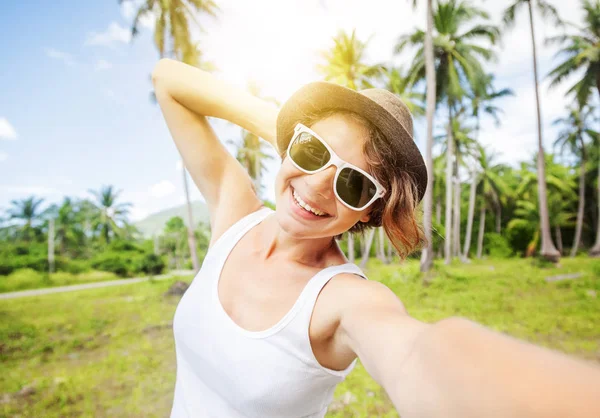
24,279
110,351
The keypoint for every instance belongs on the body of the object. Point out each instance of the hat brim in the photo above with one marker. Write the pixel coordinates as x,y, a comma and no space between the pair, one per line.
319,96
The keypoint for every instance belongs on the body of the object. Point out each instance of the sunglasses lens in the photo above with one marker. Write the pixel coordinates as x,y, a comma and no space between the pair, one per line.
354,188
309,152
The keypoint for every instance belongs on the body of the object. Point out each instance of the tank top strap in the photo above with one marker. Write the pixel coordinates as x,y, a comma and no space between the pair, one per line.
299,328
234,233
318,281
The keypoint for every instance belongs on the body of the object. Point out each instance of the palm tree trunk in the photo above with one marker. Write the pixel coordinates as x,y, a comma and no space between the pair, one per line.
367,248
427,254
438,211
456,227
558,239
350,248
548,250
481,231
470,215
381,245
581,201
499,217
190,227
449,165
390,251
595,250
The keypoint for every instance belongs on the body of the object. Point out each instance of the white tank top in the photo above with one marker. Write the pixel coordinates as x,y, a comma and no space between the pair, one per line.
225,371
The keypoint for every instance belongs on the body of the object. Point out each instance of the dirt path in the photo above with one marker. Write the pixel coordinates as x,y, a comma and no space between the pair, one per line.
60,289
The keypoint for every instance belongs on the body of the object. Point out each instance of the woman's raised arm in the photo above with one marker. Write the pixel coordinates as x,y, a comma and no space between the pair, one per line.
187,95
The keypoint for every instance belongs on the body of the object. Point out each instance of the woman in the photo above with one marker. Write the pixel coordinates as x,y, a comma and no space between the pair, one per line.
277,316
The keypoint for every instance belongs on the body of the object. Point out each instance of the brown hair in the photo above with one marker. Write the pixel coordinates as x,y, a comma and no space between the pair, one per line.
397,210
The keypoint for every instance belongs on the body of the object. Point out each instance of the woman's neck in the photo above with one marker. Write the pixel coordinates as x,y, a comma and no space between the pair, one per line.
307,251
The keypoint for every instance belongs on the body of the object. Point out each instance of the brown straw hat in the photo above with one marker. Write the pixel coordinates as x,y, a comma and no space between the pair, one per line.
382,108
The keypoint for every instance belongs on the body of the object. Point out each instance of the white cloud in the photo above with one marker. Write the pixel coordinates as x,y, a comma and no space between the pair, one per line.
3,156
60,55
6,130
137,213
129,10
179,165
113,34
162,189
102,65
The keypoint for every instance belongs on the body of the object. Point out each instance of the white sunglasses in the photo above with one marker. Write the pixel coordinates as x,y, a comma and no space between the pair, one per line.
354,187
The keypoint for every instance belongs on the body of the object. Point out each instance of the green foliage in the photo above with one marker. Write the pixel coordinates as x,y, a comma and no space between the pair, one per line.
152,264
497,246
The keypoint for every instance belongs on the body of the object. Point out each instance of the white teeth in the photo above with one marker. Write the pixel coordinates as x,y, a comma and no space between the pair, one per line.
306,205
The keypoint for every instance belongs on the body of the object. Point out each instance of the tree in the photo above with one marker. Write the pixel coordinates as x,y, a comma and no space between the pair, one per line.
457,68
172,38
110,217
28,212
172,35
575,130
548,250
398,83
253,152
345,62
430,89
582,51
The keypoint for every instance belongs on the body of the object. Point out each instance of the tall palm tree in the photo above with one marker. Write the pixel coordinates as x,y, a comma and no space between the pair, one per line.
491,186
345,65
172,24
28,212
595,250
548,250
252,153
430,89
111,217
582,51
458,67
172,38
575,130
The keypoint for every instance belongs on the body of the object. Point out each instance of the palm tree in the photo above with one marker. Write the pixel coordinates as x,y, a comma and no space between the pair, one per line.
27,211
110,217
345,65
548,250
430,89
398,83
582,51
491,186
69,231
458,68
595,250
573,135
172,24
345,62
253,152
172,38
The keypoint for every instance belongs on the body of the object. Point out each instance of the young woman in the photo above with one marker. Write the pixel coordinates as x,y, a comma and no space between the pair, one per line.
277,316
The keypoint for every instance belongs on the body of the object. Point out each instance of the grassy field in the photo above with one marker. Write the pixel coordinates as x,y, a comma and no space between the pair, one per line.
24,279
110,352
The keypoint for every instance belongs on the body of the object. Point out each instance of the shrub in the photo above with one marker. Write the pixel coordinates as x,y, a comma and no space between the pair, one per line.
120,264
22,279
151,264
497,245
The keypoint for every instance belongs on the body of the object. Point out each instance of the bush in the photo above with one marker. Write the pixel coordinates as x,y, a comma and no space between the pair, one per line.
120,264
497,245
152,264
22,279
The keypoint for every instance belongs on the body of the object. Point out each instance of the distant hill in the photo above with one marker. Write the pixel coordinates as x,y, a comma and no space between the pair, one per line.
155,223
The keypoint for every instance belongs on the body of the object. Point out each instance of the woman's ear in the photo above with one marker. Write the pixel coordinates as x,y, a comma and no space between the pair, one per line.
365,218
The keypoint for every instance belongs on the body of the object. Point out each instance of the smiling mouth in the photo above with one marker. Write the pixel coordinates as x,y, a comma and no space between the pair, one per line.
306,207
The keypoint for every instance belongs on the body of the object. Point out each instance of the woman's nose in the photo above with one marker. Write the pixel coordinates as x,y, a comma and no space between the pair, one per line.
322,182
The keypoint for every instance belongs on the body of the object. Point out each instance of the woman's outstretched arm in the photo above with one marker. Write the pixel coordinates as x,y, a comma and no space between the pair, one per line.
458,368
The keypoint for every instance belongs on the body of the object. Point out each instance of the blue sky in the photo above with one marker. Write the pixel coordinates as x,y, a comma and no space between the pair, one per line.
75,112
